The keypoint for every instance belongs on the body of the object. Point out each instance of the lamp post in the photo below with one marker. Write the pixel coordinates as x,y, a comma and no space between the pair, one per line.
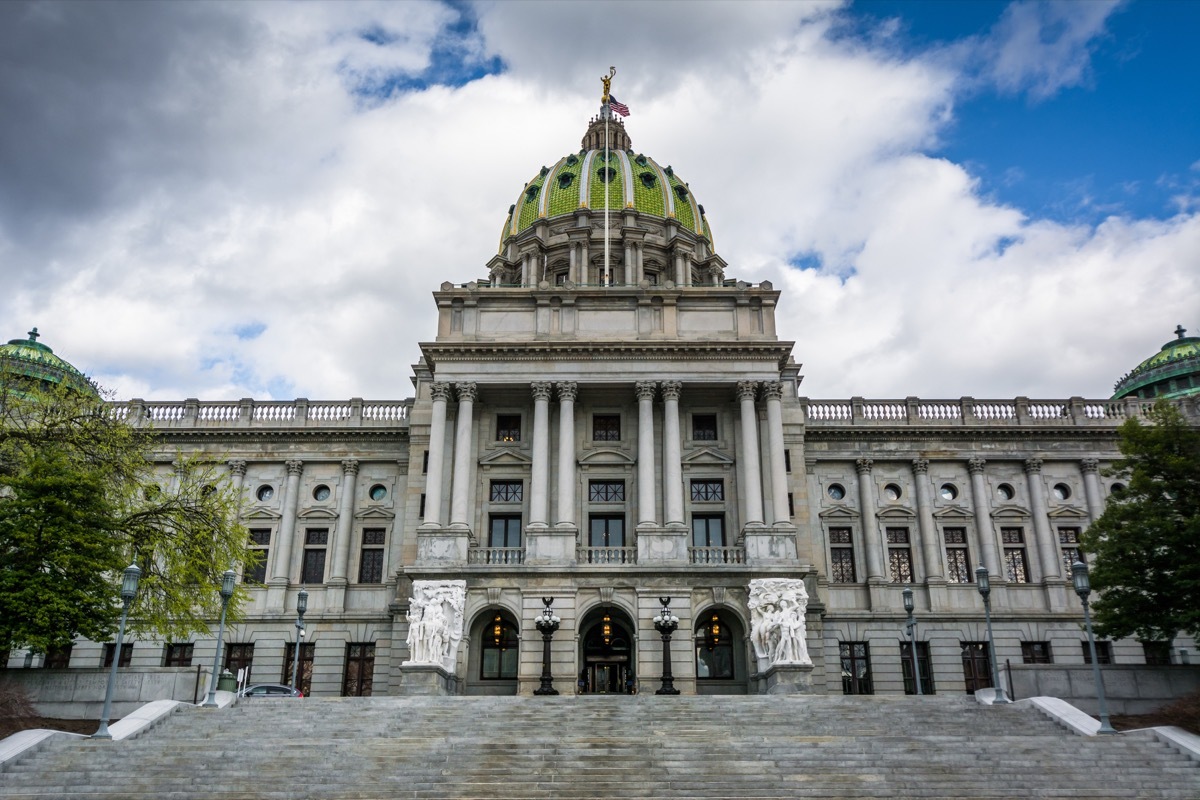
227,582
547,622
911,625
129,586
1083,588
301,607
666,623
984,584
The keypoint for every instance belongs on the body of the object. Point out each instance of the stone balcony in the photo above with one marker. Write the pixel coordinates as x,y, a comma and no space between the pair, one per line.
272,414
968,411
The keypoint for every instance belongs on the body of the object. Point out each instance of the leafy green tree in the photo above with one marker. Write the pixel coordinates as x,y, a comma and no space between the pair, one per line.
1147,541
82,495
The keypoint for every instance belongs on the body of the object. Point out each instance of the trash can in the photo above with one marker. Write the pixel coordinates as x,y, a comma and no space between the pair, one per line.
226,682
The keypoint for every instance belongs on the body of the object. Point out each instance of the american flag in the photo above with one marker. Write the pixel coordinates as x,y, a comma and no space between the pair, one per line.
617,106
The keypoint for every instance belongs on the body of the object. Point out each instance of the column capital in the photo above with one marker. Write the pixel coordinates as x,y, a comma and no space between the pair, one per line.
466,391
440,391
746,390
350,466
1033,466
541,390
567,390
295,467
671,390
645,390
772,390
920,466
863,466
1089,465
238,467
976,465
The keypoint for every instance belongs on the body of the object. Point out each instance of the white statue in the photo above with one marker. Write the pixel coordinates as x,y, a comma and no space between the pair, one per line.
777,629
435,622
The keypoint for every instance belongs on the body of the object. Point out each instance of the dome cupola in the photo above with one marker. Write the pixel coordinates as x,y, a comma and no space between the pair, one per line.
30,360
1174,371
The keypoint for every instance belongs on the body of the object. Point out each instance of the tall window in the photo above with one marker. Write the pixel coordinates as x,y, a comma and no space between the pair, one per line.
923,664
841,556
360,670
704,427
606,530
1158,654
1016,568
899,555
856,668
58,657
1103,652
708,490
504,530
1068,540
126,654
1036,653
315,541
239,656
178,654
606,427
260,541
506,491
714,649
606,491
370,561
501,650
708,530
958,566
977,666
307,651
508,427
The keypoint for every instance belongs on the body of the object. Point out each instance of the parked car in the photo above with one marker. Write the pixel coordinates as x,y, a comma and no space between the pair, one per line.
270,690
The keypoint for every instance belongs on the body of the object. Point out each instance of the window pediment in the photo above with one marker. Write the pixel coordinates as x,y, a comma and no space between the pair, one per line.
263,514
316,513
505,457
706,456
839,512
1010,510
953,513
896,514
606,455
1067,513
374,513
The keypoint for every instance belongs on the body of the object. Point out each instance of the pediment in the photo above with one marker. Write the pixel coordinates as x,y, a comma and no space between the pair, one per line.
838,513
1067,513
1010,510
896,512
263,514
374,513
952,513
316,513
707,455
505,457
606,456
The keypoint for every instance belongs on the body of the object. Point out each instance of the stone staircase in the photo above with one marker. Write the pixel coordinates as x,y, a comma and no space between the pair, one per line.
606,747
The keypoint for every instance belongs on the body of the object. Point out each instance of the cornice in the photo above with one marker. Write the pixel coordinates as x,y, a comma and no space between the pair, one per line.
606,351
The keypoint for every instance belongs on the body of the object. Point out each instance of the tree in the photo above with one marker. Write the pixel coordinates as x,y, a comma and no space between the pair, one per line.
80,499
1147,541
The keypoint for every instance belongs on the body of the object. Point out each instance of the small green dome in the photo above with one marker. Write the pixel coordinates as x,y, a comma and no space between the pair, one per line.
1174,371
29,359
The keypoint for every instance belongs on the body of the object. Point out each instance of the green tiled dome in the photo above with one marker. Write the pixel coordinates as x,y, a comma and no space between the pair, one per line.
1174,371
29,359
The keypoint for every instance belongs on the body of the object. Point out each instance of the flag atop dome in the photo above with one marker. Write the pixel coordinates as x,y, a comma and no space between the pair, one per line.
617,106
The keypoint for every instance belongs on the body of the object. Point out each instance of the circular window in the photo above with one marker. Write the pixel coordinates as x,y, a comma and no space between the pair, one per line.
321,492
835,491
378,491
891,491
264,493
1005,491
1117,488
949,491
1062,491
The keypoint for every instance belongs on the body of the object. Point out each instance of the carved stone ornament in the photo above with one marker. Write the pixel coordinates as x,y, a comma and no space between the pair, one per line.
567,390
1033,465
541,390
1089,465
976,465
435,622
777,628
466,392
746,390
645,390
921,466
440,391
671,390
350,466
237,467
772,390
863,465
294,467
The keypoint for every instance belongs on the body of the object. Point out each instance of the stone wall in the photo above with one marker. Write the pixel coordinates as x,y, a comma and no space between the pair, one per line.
79,693
1129,688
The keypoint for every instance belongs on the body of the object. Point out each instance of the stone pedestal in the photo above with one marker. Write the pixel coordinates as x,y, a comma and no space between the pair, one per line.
770,545
551,546
662,545
786,679
427,680
442,547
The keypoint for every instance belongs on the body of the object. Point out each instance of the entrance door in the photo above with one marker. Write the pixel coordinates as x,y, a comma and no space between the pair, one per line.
977,667
607,657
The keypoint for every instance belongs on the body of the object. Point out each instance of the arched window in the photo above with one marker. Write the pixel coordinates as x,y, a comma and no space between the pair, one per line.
500,651
714,648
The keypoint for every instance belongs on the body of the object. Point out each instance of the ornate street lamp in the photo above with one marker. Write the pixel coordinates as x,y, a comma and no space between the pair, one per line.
1083,588
666,623
911,625
301,607
227,582
984,584
129,586
547,622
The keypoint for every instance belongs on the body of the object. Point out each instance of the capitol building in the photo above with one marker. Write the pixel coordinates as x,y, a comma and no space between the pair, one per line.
606,418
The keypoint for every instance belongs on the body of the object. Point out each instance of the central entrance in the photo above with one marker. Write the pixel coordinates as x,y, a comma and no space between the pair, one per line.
608,654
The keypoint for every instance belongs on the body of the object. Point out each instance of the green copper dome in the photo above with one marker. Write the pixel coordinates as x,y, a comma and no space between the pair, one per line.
1174,371
29,359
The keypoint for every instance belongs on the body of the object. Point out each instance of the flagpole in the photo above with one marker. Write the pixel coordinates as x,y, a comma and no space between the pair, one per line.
607,111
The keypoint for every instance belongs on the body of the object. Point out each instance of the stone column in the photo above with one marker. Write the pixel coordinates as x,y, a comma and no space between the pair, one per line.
752,491
983,518
773,391
539,508
287,525
930,549
464,448
645,467
1091,487
567,392
341,551
437,456
870,523
672,465
237,473
1043,537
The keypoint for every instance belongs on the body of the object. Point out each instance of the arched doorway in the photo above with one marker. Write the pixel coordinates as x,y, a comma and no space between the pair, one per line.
607,653
495,659
720,653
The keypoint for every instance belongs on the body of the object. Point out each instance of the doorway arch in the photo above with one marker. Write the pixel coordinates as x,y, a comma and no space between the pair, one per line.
607,653
494,658
720,650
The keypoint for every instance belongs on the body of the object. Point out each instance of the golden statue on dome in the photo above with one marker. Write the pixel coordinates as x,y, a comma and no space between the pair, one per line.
607,81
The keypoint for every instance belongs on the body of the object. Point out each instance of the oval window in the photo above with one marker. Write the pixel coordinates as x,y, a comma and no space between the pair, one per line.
1117,488
891,491
835,491
949,491
264,493
1005,491
1062,491
321,492
378,491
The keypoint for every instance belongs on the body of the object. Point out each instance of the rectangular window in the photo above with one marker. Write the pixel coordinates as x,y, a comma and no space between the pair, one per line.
421,508
504,530
360,670
1016,568
178,654
958,566
1103,652
507,491
856,668
315,541
704,427
1068,540
977,666
508,427
260,540
370,562
1158,654
1036,653
787,460
606,427
57,657
708,491
923,664
708,530
791,505
606,530
425,463
841,556
307,651
239,656
899,555
126,654
606,491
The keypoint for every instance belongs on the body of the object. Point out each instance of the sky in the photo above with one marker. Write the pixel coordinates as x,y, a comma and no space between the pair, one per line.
226,200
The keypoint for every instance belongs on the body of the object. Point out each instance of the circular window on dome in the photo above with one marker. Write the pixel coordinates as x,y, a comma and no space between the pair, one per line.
835,491
264,493
1062,491
949,491
321,493
1005,491
378,492
891,491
